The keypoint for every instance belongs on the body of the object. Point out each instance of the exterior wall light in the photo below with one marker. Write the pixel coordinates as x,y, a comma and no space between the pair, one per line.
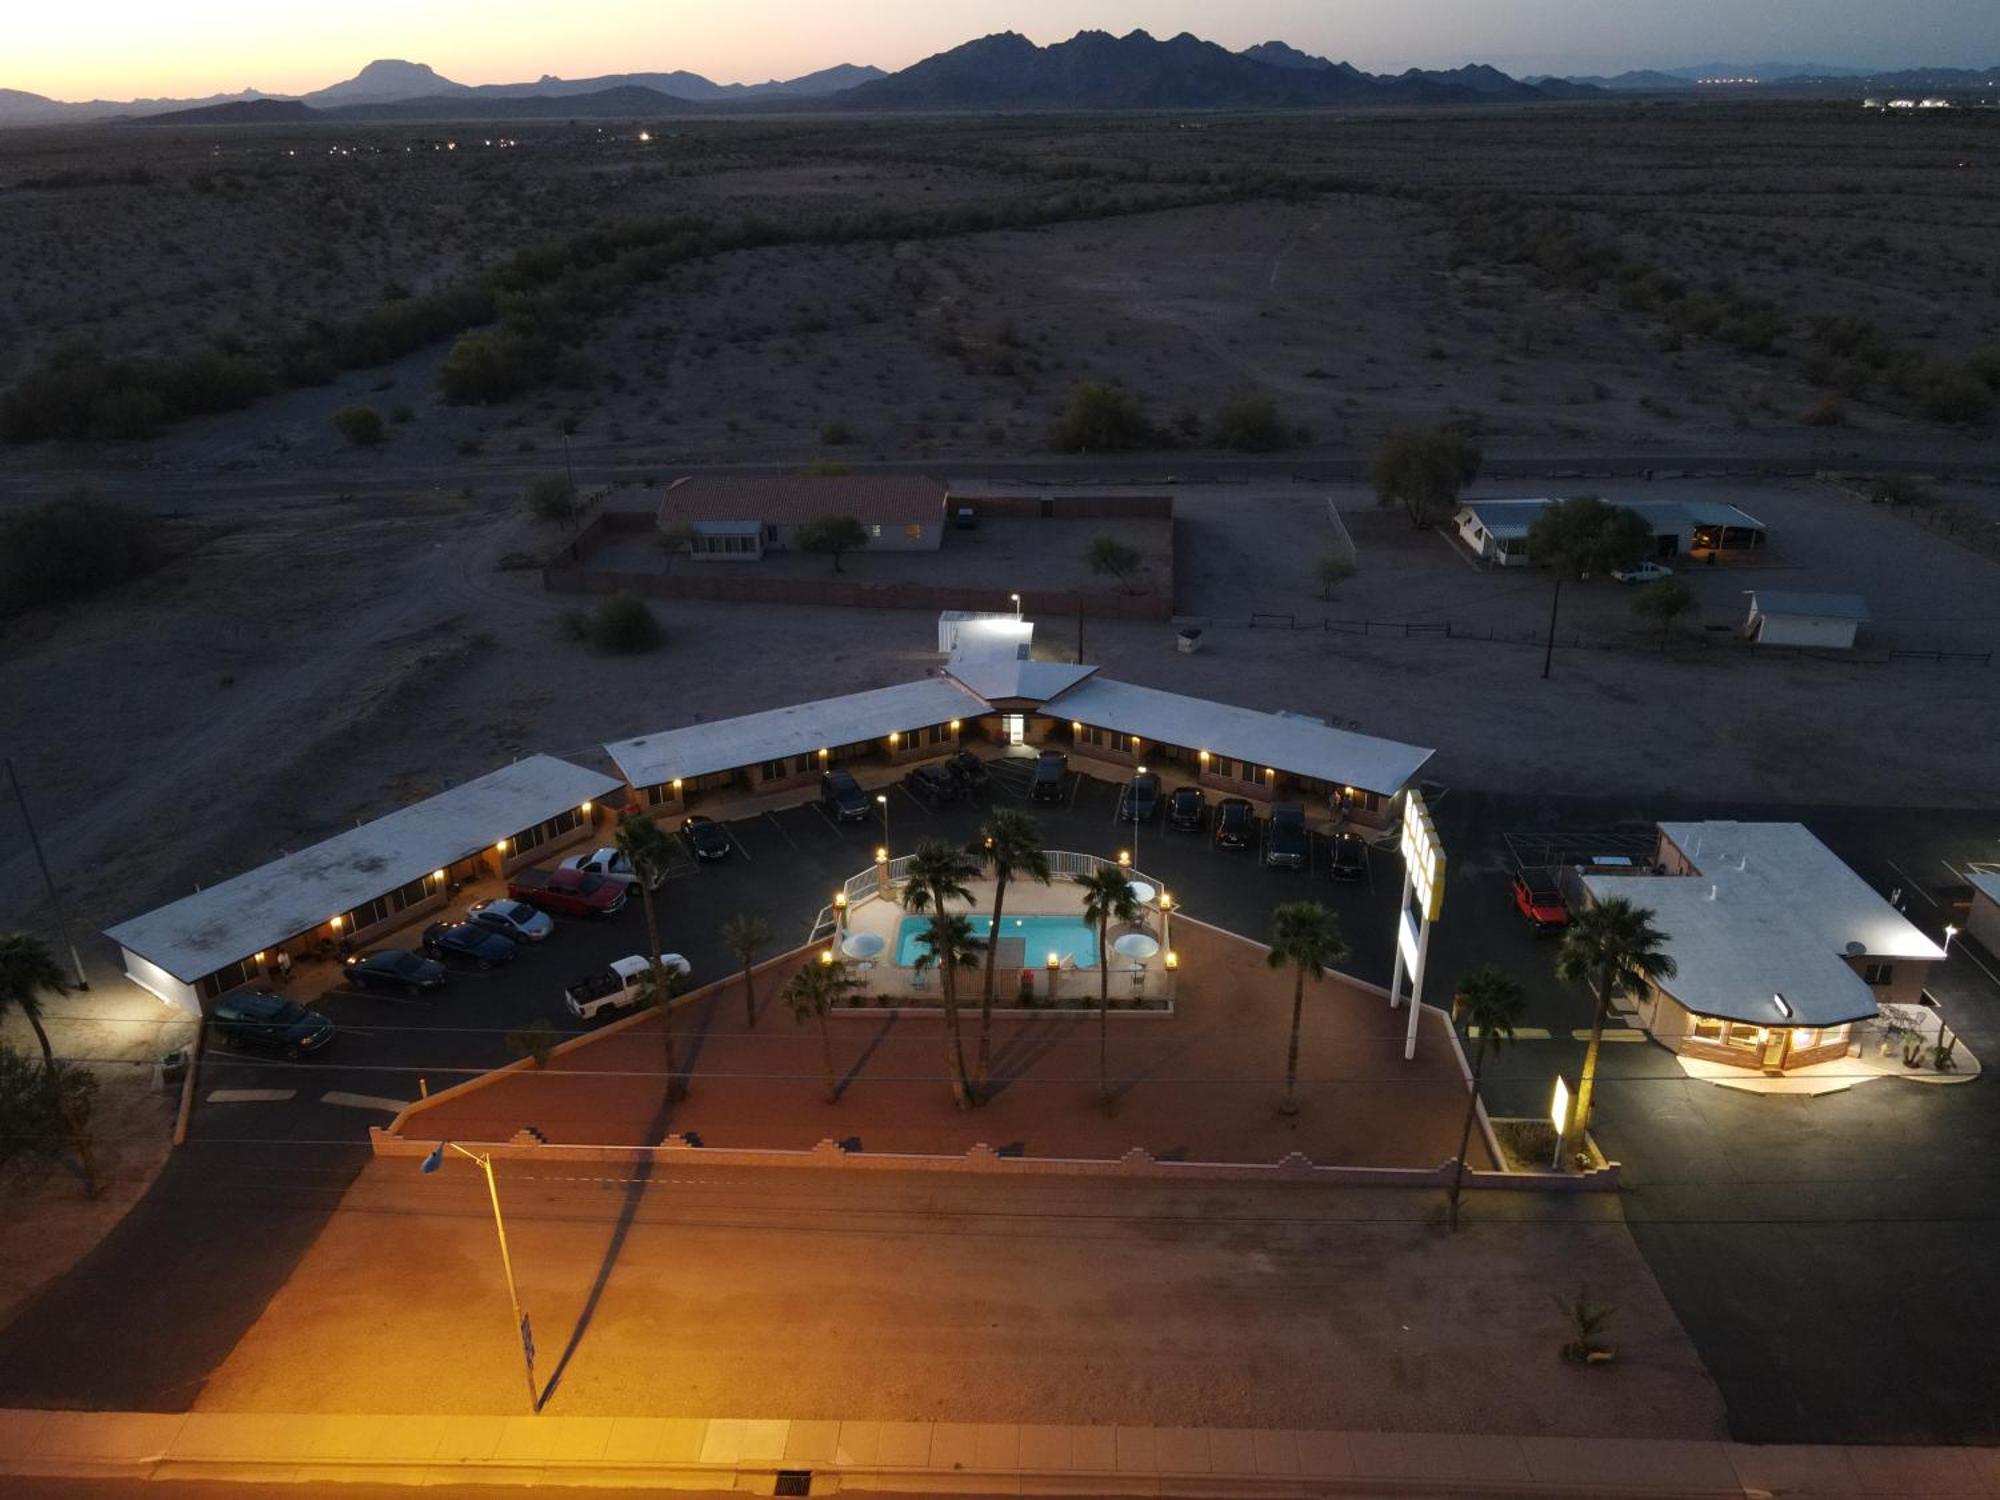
336,922
585,808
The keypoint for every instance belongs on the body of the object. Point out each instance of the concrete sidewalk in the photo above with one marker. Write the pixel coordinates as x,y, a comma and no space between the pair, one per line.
953,1457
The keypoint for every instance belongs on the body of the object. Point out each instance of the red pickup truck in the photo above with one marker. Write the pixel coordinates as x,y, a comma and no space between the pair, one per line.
570,893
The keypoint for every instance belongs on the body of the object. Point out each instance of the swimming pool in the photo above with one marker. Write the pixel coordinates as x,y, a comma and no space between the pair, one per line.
1071,938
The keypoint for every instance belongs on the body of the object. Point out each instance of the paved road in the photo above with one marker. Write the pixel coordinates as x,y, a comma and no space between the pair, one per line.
1786,1233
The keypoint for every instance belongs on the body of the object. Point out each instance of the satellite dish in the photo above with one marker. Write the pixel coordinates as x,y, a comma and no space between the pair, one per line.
1855,950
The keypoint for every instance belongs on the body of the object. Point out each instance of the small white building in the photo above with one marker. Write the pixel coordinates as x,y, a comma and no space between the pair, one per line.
1982,920
1826,621
1496,531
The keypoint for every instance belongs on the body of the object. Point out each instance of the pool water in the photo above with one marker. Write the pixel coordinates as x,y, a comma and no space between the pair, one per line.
1071,938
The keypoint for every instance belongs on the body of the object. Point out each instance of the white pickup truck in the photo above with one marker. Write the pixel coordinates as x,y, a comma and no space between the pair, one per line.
619,986
610,863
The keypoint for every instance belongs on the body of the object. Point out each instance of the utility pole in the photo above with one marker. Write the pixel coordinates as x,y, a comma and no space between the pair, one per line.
55,901
1549,651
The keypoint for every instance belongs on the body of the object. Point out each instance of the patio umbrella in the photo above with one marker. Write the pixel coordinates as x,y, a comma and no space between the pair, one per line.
862,944
1143,892
1135,945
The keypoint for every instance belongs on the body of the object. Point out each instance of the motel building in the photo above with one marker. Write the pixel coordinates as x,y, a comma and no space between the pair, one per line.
361,883
991,693
1780,951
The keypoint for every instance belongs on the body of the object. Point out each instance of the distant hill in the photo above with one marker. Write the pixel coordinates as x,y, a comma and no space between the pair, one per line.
626,102
684,85
236,112
1095,70
383,82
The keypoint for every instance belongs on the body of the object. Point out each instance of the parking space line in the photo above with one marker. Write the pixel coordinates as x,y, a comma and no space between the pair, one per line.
734,841
365,1101
772,819
249,1096
1611,1034
915,801
832,826
1521,1033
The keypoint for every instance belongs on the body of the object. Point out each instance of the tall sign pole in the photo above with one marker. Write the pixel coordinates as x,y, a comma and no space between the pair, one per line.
1423,883
55,901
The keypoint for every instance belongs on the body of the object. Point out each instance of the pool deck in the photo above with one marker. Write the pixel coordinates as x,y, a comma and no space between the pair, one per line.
1199,1084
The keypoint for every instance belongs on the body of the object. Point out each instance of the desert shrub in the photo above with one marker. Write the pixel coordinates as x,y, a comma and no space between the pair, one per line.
1985,363
1895,489
1956,396
1828,411
32,1116
79,393
1250,424
549,499
488,367
836,434
65,549
1330,569
360,425
621,626
1102,419
1107,556
831,536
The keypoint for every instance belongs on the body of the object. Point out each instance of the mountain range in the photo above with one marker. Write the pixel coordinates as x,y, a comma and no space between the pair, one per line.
1093,70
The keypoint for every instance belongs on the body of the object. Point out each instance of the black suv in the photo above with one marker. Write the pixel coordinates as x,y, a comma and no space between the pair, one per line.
932,783
1186,808
1051,776
1140,799
1285,847
970,772
257,1019
839,791
1348,859
1232,823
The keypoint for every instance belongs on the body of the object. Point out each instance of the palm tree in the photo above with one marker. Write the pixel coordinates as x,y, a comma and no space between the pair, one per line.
1012,845
936,877
949,946
746,933
814,991
26,970
1307,936
650,851
1107,898
1491,1001
1615,947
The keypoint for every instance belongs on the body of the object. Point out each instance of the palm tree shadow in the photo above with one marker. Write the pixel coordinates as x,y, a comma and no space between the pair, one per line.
628,1214
860,1063
1021,1051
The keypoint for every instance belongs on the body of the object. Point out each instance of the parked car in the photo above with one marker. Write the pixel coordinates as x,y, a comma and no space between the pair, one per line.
396,969
1051,776
1186,808
256,1018
1537,898
707,837
513,919
1348,858
620,985
610,863
1233,823
1139,799
971,772
1642,572
840,793
933,784
476,945
574,893
1285,844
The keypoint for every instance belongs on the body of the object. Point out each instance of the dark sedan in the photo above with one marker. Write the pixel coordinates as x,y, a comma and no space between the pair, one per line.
1287,847
707,837
1348,858
480,946
934,784
1186,808
1233,823
1140,799
396,969
970,772
257,1019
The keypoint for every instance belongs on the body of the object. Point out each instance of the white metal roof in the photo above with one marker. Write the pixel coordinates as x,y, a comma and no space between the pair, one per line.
1771,913
1987,883
999,676
211,929
1302,746
1509,520
1812,606
802,728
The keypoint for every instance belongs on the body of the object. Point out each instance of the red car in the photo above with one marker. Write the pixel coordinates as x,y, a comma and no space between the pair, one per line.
572,893
1537,898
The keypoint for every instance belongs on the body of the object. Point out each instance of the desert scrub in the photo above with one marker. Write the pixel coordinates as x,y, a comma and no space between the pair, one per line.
65,549
360,425
621,626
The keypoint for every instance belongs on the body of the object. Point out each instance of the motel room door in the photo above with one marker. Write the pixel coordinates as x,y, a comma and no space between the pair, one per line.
1777,1042
1014,728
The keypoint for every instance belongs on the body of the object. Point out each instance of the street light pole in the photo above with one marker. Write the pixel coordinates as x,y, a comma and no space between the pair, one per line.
430,1164
1135,818
882,801
55,901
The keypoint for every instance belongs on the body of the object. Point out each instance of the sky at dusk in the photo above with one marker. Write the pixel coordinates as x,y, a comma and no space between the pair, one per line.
183,48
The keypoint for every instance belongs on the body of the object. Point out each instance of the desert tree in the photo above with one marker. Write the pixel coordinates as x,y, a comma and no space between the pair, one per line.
831,536
1490,1002
1107,897
1577,537
1424,471
1306,938
1100,418
650,852
746,935
1011,845
1664,601
1107,557
811,994
676,539
1613,947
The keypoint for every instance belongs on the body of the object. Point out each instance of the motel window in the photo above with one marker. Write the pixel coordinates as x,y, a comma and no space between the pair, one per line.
528,838
1090,736
801,764
567,821
1878,973
773,770
1707,1029
655,795
1742,1034
241,972
937,734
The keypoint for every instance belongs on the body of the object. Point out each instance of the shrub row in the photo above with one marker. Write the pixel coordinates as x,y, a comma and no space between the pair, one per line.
64,549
